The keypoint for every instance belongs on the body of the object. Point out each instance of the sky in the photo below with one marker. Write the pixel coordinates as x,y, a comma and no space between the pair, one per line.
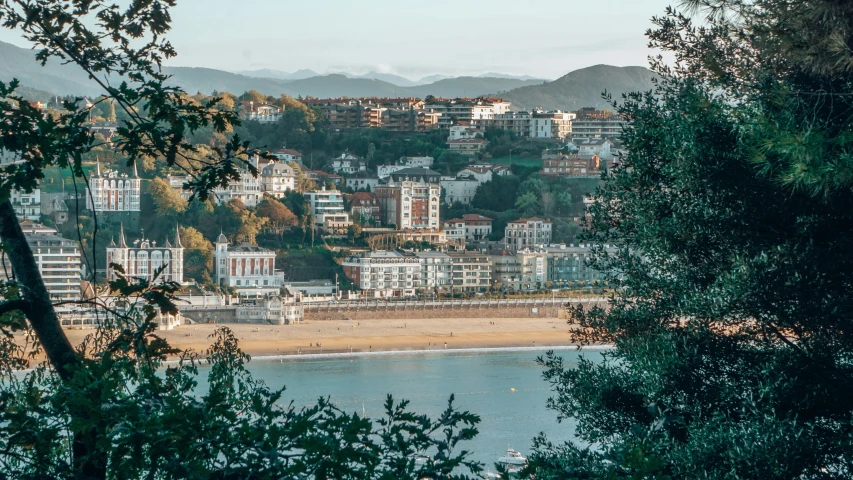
412,38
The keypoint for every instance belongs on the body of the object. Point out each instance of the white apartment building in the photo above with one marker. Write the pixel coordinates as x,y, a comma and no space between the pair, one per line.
385,273
327,206
459,132
556,124
277,179
270,310
409,204
264,113
519,271
112,192
480,173
27,205
247,268
470,272
59,261
348,164
385,171
516,122
143,257
247,189
459,189
469,111
436,270
475,227
527,233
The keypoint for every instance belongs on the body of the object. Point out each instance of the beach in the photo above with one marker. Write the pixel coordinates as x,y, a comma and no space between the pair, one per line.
373,335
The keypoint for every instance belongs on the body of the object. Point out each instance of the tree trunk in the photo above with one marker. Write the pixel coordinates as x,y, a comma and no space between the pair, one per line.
88,461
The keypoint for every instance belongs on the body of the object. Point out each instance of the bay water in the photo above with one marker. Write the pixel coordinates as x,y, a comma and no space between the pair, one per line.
504,387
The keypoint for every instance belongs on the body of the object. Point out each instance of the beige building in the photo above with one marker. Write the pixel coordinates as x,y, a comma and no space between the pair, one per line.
520,271
470,271
527,233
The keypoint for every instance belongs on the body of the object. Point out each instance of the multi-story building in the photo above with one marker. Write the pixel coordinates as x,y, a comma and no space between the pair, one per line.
288,155
59,261
457,132
409,120
113,192
466,110
385,273
527,233
409,204
516,122
470,271
262,112
27,205
591,123
363,181
144,257
270,310
556,124
480,173
588,147
467,146
436,270
327,206
247,189
561,165
568,265
459,189
277,179
476,227
364,208
347,164
415,174
523,270
385,171
247,268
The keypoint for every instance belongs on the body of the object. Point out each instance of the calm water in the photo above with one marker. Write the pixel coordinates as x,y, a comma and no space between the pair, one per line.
482,383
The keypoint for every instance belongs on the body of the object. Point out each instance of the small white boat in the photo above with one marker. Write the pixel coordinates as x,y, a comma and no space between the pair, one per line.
511,457
491,476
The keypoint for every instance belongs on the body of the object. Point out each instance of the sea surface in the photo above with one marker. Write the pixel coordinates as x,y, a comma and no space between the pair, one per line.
504,387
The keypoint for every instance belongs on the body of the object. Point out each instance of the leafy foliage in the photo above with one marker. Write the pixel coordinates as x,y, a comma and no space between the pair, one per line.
731,214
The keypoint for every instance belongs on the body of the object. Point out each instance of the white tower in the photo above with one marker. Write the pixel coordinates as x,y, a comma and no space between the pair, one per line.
220,256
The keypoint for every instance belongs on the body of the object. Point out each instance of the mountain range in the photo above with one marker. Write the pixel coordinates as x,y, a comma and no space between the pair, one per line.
576,89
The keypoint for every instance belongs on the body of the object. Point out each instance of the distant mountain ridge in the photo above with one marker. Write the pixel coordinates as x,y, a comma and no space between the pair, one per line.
581,88
574,90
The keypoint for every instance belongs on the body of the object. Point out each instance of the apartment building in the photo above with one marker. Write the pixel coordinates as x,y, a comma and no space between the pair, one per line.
459,189
470,271
527,233
384,171
409,204
113,192
467,146
567,266
277,179
347,164
59,261
457,132
362,181
144,257
385,273
288,155
27,205
247,268
520,271
436,271
562,165
327,207
364,208
466,110
516,122
591,123
556,124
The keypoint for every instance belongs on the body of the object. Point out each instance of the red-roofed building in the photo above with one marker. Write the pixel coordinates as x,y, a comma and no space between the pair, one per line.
476,227
288,155
321,176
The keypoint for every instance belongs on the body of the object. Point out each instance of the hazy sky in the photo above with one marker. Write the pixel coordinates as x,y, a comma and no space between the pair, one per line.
413,38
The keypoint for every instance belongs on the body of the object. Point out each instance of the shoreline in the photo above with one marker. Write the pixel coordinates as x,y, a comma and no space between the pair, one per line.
378,336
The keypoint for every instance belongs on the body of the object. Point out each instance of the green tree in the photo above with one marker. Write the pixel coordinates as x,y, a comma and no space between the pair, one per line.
730,216
198,255
167,201
111,408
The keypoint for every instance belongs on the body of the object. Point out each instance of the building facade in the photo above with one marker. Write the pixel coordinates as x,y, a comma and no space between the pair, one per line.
247,268
384,273
27,205
327,206
527,233
470,271
113,192
409,204
144,257
277,179
521,271
59,261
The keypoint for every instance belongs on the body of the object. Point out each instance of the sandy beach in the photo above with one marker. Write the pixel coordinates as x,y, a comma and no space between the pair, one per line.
336,336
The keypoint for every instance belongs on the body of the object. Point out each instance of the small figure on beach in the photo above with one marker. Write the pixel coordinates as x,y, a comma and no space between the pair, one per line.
445,345
451,334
